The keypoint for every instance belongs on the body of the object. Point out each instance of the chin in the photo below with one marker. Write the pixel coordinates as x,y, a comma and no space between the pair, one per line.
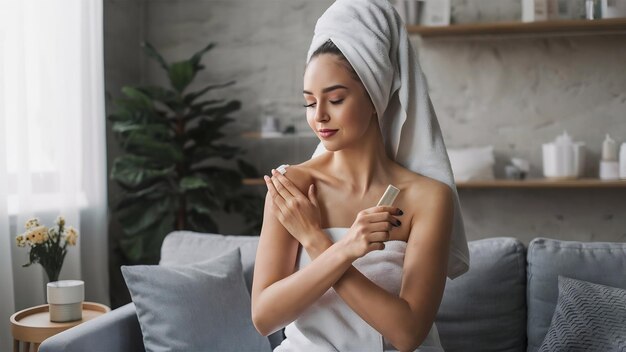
331,147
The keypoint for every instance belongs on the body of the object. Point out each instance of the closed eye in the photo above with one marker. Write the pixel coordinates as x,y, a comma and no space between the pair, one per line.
332,102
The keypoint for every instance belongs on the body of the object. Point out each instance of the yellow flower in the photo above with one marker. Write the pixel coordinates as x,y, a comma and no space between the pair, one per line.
32,223
70,235
20,240
37,235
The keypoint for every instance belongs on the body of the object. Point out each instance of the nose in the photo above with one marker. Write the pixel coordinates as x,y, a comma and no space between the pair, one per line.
320,113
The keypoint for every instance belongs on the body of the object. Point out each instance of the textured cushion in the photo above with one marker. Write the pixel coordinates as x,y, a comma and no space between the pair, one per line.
588,317
598,262
198,307
485,308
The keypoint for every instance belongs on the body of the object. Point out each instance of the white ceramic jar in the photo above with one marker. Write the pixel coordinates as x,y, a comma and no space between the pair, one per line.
65,298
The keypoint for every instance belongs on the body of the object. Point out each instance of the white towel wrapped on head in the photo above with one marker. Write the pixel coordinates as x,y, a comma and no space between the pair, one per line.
373,38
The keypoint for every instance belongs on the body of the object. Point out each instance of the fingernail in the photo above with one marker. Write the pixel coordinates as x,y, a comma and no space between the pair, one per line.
265,177
399,223
400,212
273,171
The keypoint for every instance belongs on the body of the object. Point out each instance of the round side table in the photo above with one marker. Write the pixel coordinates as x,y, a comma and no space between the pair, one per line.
31,326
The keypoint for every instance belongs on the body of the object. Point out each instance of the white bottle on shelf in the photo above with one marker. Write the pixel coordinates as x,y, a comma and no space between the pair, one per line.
609,166
534,10
622,161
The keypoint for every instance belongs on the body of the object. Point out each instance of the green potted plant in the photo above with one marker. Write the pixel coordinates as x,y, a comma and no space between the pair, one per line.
172,174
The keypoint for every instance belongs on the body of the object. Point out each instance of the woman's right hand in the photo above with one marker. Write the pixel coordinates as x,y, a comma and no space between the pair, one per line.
370,230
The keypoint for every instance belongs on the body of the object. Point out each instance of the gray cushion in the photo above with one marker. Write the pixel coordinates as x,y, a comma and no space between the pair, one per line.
599,262
485,308
588,317
198,307
185,247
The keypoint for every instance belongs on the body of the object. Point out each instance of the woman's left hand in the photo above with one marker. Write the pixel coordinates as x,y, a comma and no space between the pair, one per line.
298,213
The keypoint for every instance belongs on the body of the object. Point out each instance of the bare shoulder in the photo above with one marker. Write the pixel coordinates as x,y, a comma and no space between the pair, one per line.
421,184
307,172
428,190
300,175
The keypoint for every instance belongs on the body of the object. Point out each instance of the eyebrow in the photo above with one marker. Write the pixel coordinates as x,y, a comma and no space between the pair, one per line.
327,89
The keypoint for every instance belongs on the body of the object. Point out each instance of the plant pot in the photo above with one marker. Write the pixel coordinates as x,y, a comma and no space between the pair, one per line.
65,298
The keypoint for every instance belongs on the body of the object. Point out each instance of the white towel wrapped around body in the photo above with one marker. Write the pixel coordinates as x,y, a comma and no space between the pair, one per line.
330,324
373,38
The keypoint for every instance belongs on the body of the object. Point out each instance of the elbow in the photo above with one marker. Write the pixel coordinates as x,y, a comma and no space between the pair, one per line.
412,340
259,325
262,325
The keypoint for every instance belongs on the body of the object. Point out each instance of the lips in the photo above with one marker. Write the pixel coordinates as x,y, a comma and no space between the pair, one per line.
325,133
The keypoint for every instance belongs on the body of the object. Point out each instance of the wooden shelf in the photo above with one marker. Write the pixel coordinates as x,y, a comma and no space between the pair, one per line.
543,183
563,27
503,183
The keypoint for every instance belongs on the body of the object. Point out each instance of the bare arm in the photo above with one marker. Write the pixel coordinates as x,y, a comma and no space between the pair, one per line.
405,320
279,295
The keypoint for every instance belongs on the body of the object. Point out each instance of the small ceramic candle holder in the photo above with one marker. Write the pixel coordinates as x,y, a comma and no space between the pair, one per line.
65,298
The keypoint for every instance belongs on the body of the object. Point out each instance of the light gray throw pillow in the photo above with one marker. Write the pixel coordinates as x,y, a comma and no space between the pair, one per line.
484,310
588,317
203,306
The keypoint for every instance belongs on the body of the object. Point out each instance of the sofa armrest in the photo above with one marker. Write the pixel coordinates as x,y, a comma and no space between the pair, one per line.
117,330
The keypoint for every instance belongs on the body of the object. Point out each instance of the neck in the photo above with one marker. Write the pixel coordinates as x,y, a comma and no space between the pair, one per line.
365,165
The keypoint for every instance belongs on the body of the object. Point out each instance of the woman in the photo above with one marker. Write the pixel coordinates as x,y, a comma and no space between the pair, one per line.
340,273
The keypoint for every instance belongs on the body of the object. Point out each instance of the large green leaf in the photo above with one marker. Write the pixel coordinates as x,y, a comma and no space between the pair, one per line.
192,183
214,112
152,192
181,74
148,146
144,214
133,171
142,100
213,151
159,131
191,97
195,59
202,202
168,97
153,53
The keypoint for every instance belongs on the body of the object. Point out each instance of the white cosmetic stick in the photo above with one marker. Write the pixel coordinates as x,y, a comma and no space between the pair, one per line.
389,197
282,169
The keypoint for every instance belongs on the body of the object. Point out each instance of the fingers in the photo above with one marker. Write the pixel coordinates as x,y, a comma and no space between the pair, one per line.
285,182
312,196
277,199
376,246
283,186
380,236
384,208
383,217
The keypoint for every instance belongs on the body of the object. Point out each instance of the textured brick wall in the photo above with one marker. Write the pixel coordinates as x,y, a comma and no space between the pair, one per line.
514,93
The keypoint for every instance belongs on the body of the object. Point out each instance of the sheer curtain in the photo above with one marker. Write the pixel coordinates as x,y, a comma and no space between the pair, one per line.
52,143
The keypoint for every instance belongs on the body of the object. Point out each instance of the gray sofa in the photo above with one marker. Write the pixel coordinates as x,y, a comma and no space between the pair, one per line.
505,302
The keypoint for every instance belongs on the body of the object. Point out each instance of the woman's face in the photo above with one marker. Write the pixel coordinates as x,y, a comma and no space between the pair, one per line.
335,101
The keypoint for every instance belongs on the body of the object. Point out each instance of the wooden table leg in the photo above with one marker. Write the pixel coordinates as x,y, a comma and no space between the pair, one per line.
36,347
16,345
26,346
